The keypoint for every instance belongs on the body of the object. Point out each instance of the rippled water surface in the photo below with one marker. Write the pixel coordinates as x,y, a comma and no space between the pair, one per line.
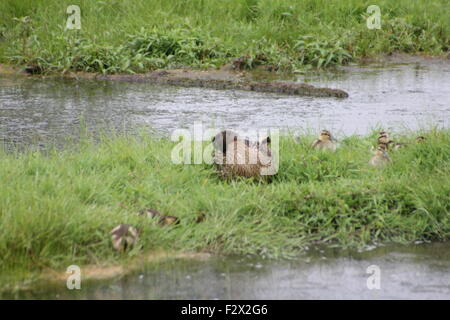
406,272
395,97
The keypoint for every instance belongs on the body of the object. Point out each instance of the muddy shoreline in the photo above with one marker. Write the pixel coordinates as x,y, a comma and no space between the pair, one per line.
229,77
109,270
223,79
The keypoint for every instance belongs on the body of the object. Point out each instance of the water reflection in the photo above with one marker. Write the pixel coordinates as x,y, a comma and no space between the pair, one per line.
407,272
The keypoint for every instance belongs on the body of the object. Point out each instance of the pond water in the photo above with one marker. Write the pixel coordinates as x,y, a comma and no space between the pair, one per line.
419,271
396,97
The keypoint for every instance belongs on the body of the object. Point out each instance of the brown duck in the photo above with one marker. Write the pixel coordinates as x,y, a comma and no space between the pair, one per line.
236,157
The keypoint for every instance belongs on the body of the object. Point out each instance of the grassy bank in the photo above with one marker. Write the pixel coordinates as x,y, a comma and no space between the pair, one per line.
57,208
126,36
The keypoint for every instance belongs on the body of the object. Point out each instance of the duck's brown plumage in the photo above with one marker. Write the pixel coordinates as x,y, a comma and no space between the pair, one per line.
123,237
236,157
384,138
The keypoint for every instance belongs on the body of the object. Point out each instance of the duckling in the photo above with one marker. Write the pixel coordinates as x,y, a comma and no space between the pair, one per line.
150,213
398,145
384,138
420,139
200,217
168,220
382,145
325,142
380,156
163,220
123,237
236,157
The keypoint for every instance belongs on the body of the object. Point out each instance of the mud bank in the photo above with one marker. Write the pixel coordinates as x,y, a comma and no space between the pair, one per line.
108,271
212,79
224,80
105,270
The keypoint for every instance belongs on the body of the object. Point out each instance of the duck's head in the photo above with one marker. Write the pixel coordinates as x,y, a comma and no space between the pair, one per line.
384,138
223,138
325,135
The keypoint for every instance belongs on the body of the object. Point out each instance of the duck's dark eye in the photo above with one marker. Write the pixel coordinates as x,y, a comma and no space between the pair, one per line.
213,139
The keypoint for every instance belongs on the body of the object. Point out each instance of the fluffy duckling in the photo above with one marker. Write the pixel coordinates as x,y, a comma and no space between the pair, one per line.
420,139
162,219
200,217
168,220
325,142
150,213
398,145
384,138
380,156
123,237
236,157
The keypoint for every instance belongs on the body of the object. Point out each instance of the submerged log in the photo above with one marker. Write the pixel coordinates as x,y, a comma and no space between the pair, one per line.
221,80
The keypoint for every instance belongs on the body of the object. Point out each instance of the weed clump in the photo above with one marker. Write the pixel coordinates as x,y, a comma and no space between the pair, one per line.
138,36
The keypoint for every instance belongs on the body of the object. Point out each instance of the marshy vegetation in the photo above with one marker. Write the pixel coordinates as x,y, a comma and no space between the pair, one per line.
57,207
133,36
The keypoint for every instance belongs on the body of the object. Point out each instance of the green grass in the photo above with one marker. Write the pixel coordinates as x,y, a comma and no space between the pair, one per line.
126,36
57,207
